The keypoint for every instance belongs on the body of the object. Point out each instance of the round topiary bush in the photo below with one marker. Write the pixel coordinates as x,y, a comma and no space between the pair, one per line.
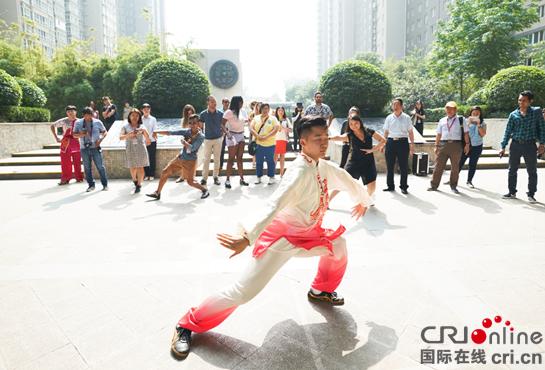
479,97
10,91
168,84
355,83
33,96
505,87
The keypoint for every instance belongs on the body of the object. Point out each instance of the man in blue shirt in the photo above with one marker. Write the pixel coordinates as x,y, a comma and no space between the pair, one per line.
186,161
90,132
524,128
213,139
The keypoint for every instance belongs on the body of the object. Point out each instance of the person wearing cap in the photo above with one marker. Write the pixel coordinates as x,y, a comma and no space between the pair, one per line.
90,132
398,132
451,140
213,139
186,161
70,150
525,127
150,123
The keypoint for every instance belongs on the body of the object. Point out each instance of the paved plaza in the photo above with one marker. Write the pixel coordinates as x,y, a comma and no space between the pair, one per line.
98,280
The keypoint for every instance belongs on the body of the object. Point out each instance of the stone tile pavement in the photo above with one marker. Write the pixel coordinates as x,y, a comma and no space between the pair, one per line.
98,280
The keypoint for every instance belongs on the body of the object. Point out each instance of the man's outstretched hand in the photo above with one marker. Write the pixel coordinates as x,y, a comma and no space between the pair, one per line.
358,210
236,243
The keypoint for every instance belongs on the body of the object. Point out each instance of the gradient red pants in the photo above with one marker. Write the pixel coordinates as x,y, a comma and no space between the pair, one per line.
259,272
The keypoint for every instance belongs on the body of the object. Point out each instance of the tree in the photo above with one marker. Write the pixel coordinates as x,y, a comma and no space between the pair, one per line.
355,83
503,89
412,81
168,84
369,57
131,59
479,38
301,91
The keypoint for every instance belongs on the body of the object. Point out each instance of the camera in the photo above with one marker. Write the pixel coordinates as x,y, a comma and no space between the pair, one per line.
87,145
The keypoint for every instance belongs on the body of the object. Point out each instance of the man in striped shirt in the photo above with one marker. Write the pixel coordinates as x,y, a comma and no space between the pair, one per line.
524,128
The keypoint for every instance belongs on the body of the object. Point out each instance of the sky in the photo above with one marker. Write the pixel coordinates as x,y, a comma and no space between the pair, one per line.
277,39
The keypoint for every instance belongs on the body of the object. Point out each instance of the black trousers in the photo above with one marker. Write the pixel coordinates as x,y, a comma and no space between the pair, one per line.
150,170
529,152
397,150
419,126
222,156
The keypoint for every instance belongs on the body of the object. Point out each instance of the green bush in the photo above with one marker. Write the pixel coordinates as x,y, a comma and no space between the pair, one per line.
479,97
10,91
355,83
12,113
33,96
505,87
435,114
169,84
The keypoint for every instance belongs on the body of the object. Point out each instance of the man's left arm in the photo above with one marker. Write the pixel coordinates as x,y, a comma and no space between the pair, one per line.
540,132
102,135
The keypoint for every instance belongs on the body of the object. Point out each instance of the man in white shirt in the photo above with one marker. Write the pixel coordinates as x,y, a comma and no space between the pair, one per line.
290,224
448,145
150,123
398,131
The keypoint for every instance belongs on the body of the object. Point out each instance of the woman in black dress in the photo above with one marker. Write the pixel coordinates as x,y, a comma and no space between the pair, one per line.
361,161
418,116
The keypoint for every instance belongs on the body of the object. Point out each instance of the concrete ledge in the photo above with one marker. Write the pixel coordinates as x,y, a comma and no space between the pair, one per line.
23,136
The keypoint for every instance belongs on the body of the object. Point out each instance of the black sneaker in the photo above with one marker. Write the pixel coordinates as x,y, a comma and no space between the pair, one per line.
509,196
205,194
243,183
203,182
154,195
181,343
137,189
389,189
217,181
531,199
432,189
90,188
227,184
454,190
470,184
331,298
179,180
404,191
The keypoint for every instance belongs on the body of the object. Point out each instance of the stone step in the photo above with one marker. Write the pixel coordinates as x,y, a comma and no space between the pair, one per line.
52,146
51,160
38,153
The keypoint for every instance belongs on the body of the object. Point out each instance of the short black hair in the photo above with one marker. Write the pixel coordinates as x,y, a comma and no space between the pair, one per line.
528,94
87,110
398,100
70,107
317,93
308,122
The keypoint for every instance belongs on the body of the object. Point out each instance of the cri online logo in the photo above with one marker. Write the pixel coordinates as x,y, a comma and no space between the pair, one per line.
479,336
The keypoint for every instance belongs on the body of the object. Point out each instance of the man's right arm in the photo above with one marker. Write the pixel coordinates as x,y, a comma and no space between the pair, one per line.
508,132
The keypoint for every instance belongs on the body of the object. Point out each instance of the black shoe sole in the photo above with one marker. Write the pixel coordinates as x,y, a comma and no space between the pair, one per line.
324,299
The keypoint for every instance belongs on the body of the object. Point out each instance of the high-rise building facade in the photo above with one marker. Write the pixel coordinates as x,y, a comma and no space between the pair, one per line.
140,18
423,17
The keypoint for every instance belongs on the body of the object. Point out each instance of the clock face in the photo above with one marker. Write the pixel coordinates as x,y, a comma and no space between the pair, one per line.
223,74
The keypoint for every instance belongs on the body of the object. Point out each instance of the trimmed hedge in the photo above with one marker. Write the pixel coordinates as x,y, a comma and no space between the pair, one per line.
168,84
355,83
505,87
12,113
479,97
33,96
10,91
435,114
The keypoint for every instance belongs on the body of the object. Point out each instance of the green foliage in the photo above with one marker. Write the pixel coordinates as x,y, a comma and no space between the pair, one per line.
132,57
435,114
505,86
168,84
479,38
369,57
100,67
302,91
479,97
412,81
11,58
10,91
33,96
69,83
12,113
355,83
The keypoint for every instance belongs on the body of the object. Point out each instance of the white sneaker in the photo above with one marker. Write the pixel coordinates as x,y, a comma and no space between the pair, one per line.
258,181
271,181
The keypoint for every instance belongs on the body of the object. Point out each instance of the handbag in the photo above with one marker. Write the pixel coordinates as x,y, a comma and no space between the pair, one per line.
252,147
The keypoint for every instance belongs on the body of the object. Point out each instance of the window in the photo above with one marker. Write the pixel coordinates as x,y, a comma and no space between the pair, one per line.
541,11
